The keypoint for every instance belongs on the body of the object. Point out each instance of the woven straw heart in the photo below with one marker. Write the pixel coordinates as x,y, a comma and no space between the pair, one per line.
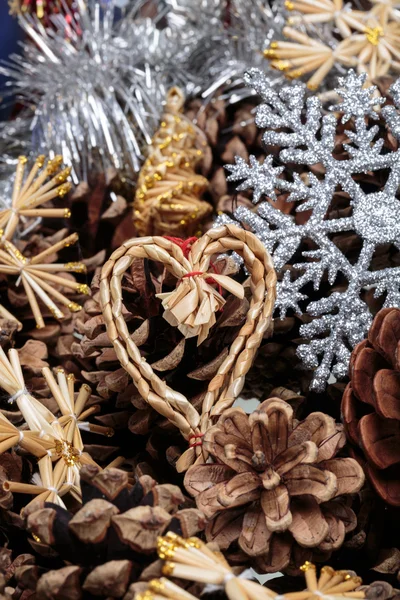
191,307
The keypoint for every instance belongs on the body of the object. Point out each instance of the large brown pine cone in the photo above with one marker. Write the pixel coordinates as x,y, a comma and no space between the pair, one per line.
105,546
275,486
371,404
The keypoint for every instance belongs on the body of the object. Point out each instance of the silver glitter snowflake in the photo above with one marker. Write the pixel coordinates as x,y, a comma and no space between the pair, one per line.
306,137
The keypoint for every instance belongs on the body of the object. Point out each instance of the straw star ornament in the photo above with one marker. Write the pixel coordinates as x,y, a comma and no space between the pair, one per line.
39,278
56,442
369,41
28,196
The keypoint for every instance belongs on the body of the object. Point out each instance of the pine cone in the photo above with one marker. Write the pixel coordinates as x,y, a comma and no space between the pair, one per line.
275,486
110,540
371,404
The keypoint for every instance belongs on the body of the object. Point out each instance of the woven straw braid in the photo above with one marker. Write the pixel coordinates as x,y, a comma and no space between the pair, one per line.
227,384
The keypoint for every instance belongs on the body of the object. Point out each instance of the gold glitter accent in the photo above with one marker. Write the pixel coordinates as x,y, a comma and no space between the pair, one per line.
54,164
67,213
71,377
63,175
312,86
155,585
307,566
22,160
269,53
373,34
281,65
83,289
329,570
75,267
74,307
168,569
40,160
67,451
289,5
63,189
36,538
59,370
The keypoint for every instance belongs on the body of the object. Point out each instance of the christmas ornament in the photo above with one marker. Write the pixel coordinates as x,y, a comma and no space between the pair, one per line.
167,199
39,278
370,405
41,8
193,560
273,485
191,307
107,100
368,40
28,196
342,319
57,443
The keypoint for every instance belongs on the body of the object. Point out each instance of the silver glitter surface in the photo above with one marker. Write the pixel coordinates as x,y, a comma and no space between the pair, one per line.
341,320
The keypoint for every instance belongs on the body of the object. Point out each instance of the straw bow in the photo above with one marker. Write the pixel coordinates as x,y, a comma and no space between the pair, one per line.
192,305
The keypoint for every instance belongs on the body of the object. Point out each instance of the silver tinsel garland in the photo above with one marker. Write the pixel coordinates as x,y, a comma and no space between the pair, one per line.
97,78
341,319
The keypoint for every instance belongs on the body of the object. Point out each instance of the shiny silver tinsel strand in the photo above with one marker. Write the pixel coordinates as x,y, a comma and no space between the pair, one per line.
341,320
97,83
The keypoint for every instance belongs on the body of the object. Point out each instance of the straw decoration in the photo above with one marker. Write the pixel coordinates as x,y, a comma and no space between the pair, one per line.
51,439
191,307
194,561
168,195
29,196
371,42
38,278
50,484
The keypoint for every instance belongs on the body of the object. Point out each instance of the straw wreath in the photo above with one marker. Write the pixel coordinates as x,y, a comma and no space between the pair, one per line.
192,308
28,196
37,277
50,439
195,561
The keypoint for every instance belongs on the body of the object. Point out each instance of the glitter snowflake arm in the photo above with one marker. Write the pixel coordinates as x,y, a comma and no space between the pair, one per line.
307,137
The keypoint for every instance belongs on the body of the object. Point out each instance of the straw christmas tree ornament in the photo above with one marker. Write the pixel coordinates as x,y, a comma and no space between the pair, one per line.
42,184
192,307
168,194
39,278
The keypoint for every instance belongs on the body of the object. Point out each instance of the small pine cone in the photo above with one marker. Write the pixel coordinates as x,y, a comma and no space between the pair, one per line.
380,590
371,404
111,539
275,487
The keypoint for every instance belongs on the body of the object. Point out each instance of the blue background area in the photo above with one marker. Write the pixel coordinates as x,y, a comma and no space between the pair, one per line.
10,34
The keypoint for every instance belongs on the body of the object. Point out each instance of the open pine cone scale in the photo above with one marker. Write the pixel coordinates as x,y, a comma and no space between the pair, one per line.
275,482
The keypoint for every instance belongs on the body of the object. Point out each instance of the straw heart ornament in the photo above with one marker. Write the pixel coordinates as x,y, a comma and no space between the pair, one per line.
192,307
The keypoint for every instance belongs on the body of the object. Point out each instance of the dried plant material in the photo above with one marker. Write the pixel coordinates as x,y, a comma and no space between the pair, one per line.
117,523
28,196
39,278
48,438
5,314
168,194
277,479
371,403
192,560
369,41
192,306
